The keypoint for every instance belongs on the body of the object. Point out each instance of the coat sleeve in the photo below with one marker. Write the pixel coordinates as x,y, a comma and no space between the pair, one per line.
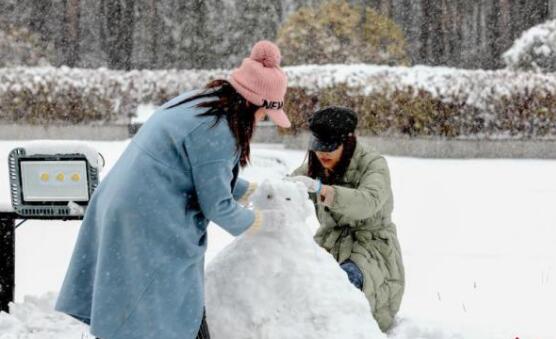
240,188
301,170
369,197
211,155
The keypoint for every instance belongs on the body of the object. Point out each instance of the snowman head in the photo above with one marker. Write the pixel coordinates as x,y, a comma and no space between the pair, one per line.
287,196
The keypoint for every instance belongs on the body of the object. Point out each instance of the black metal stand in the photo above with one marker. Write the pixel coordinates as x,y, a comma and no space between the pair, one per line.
7,254
7,259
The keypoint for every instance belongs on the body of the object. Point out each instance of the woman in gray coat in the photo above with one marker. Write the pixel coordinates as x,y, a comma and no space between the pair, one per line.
137,267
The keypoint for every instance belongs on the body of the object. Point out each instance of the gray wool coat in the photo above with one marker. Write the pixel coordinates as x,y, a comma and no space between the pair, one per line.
137,267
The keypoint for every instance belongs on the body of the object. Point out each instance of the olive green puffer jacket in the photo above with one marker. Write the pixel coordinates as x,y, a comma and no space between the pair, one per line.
358,226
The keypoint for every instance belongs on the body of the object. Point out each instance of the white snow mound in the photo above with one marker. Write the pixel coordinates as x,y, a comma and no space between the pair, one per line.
277,283
35,319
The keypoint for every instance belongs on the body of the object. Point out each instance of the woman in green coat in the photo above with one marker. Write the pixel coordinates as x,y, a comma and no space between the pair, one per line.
350,184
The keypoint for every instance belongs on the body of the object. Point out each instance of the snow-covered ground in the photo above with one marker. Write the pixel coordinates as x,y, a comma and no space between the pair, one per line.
477,237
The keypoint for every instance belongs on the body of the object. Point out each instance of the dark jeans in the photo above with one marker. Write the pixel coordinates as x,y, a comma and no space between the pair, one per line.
203,330
353,272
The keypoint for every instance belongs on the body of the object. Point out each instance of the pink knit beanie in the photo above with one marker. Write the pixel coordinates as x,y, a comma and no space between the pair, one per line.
261,81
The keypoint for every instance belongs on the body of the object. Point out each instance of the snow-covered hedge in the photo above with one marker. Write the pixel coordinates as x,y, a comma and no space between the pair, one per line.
67,95
431,101
535,50
423,101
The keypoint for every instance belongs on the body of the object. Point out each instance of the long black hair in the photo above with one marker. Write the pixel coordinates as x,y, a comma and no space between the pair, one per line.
239,113
316,170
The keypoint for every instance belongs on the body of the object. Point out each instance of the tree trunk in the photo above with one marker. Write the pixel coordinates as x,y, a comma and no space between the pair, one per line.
454,28
71,33
493,45
118,32
437,33
505,23
113,18
126,33
103,35
38,18
197,49
480,57
517,20
425,29
154,30
405,15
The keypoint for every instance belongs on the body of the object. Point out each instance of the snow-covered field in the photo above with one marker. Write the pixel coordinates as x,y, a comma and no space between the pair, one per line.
477,237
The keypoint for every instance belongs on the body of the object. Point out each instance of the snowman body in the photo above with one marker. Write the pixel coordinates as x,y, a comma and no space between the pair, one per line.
277,283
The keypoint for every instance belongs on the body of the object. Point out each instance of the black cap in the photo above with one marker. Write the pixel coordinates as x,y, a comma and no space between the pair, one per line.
330,127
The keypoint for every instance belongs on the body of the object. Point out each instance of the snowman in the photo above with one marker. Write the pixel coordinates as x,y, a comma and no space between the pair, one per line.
277,283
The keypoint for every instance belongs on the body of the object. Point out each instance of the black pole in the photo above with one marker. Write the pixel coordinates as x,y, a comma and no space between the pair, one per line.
7,260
